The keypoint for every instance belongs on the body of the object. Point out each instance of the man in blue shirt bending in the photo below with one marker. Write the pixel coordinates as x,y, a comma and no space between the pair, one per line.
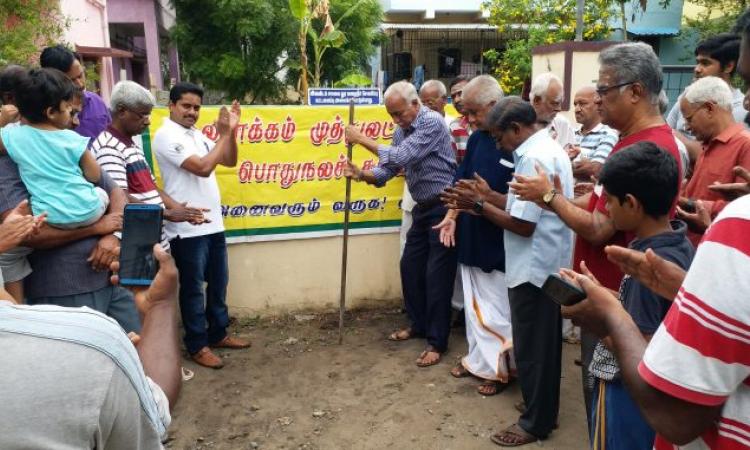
422,148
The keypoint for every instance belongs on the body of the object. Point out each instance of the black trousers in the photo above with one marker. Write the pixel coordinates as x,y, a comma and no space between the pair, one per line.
428,270
537,344
588,343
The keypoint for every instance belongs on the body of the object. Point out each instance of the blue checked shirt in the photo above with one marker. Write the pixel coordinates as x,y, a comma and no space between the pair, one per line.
424,151
596,145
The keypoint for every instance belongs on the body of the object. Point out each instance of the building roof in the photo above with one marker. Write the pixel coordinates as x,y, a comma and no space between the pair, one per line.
444,26
654,31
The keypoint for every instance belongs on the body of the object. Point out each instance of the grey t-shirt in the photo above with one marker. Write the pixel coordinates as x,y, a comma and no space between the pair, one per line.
63,395
58,271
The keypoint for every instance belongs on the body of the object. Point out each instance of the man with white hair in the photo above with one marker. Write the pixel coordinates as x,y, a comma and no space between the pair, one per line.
546,97
479,242
422,147
707,108
124,161
716,56
630,81
434,95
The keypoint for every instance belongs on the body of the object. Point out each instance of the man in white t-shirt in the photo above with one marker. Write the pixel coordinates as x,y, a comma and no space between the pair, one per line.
187,160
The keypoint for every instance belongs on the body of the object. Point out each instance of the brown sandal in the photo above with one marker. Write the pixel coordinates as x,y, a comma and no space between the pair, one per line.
422,361
401,335
488,388
459,371
513,436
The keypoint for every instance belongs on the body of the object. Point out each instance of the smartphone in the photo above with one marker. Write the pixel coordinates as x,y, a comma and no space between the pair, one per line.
141,229
562,292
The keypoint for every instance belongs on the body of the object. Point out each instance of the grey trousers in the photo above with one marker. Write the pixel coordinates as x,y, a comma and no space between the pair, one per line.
114,301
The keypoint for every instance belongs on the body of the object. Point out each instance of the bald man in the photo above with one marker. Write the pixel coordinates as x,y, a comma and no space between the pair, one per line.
594,140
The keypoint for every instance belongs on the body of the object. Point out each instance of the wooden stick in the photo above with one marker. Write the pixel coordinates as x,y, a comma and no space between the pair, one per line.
345,250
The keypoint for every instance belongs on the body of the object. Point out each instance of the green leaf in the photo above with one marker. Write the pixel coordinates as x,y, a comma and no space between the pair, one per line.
334,39
298,8
353,80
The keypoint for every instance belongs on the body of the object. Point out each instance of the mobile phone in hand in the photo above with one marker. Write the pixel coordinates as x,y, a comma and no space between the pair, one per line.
562,292
141,229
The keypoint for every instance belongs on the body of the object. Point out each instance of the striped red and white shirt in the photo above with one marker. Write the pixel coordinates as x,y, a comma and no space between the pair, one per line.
701,352
125,162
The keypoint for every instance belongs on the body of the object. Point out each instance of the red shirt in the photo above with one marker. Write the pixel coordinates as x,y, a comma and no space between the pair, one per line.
729,148
596,260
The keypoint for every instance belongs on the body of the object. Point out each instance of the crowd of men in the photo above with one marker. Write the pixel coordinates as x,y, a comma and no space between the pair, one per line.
616,206
648,216
69,166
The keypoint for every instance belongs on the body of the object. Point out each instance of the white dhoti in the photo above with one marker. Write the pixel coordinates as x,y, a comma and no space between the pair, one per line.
488,327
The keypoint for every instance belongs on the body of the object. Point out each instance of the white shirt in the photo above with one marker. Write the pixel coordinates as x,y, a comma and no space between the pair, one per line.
551,245
562,131
173,144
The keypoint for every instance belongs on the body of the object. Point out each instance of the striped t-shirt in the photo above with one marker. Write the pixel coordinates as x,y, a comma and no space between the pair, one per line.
125,163
596,145
701,352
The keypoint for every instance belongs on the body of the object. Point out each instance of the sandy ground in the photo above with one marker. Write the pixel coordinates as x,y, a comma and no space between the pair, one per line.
296,388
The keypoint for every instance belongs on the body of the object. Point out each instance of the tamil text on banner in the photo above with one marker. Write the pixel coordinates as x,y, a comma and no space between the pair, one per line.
288,182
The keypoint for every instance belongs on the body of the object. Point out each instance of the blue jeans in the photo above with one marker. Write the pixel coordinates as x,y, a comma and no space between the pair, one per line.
202,260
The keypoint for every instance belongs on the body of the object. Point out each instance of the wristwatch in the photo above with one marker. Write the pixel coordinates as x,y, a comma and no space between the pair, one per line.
478,206
549,196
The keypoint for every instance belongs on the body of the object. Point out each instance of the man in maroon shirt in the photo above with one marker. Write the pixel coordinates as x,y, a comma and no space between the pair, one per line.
707,109
630,80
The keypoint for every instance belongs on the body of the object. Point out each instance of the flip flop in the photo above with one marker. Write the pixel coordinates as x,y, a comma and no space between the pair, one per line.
459,371
421,362
513,436
496,388
401,335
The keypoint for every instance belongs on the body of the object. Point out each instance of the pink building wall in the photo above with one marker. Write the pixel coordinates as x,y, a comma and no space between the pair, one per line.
141,12
89,27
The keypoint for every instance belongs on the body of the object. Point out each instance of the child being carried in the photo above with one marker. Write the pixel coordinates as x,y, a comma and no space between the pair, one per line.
53,162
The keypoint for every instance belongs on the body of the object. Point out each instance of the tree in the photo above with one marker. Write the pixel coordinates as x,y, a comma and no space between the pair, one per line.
717,16
547,21
235,46
28,26
363,34
352,36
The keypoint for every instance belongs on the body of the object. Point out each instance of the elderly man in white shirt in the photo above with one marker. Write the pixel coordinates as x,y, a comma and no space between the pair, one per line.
546,97
538,244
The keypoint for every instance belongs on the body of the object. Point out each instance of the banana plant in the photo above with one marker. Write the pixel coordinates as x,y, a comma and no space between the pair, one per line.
305,11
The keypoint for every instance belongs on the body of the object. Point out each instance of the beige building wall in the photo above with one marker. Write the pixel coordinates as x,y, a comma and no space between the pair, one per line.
584,68
273,277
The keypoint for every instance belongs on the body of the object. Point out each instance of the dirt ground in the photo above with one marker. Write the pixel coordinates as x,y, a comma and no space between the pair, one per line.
296,388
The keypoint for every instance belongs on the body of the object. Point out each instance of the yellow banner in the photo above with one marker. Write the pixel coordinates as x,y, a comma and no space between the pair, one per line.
288,182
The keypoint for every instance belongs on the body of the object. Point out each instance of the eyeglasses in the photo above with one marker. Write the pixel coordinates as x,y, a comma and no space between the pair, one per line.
689,118
600,91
